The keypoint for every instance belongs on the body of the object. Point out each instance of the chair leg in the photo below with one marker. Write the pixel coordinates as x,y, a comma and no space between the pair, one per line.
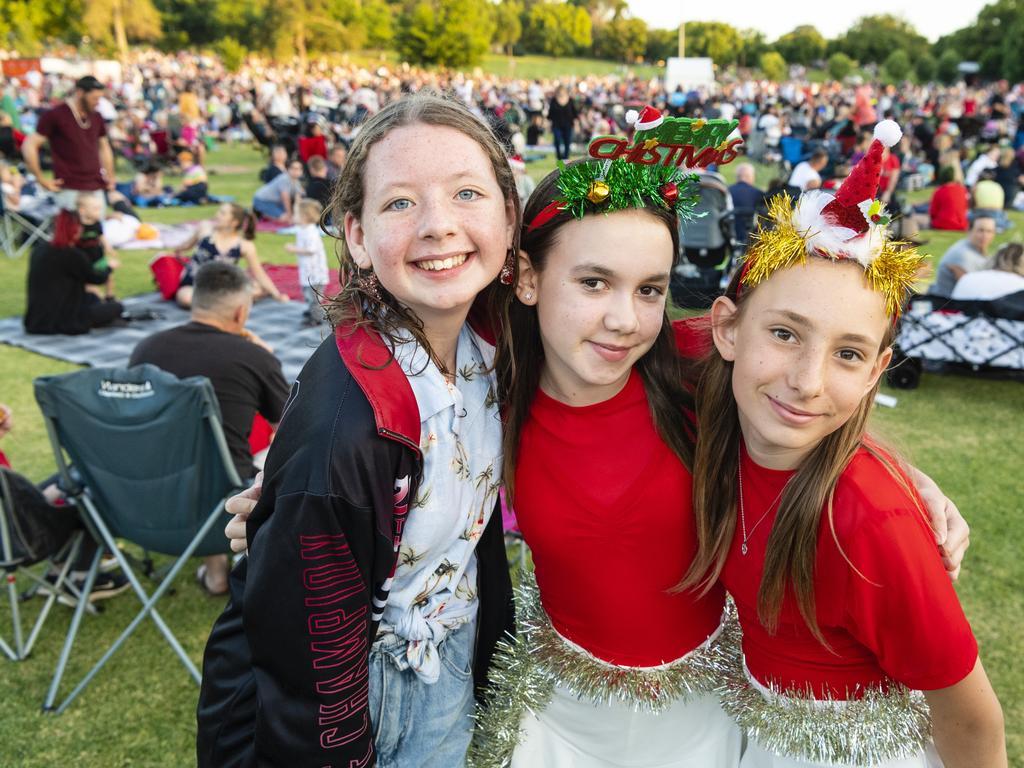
148,609
148,603
14,654
62,578
69,641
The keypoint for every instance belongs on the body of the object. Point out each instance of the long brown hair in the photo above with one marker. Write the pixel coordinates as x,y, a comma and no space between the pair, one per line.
792,544
520,355
360,301
244,219
1010,258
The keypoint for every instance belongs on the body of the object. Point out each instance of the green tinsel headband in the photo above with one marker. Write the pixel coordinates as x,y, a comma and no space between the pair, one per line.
614,185
650,170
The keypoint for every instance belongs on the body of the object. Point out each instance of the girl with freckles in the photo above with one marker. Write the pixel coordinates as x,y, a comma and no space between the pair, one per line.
376,584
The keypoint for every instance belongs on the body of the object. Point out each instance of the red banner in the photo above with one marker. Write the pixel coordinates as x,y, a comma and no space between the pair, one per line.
16,69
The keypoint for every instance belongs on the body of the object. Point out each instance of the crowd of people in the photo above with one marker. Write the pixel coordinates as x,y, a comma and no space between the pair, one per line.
168,111
364,621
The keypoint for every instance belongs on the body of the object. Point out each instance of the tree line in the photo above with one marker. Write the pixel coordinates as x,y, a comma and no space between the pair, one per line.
457,33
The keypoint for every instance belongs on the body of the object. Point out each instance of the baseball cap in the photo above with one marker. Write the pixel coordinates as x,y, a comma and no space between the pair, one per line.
88,83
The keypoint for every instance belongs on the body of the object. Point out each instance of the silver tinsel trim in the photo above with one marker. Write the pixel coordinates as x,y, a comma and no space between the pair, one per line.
525,671
517,685
877,727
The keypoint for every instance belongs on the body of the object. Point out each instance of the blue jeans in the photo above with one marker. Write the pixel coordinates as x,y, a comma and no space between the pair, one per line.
416,725
563,141
268,209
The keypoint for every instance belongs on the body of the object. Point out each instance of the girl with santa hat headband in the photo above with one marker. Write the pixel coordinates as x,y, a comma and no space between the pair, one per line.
611,667
851,628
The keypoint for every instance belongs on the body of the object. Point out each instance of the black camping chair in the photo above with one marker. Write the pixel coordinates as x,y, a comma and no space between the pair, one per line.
32,532
151,466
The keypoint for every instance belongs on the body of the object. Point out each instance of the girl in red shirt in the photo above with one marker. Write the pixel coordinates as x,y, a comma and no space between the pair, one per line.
612,667
846,611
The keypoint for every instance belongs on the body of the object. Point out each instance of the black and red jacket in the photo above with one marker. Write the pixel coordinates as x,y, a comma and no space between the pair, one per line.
285,678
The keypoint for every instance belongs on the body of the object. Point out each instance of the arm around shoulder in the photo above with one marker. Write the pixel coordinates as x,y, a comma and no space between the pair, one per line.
967,723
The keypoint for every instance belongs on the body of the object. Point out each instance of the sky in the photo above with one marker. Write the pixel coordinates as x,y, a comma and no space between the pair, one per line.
777,17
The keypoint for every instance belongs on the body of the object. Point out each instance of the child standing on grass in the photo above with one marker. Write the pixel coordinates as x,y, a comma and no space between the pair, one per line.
376,585
309,247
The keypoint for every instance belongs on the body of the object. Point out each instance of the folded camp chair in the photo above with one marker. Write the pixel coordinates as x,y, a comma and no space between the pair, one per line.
152,467
19,233
21,548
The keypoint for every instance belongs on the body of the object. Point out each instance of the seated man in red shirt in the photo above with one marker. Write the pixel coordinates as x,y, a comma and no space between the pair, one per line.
246,376
948,208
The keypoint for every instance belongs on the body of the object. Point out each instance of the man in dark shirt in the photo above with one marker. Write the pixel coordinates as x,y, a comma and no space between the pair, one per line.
278,164
746,201
82,158
246,376
318,187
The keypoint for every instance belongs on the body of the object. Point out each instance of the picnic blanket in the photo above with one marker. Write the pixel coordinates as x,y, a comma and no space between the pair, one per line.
279,324
172,237
274,227
286,278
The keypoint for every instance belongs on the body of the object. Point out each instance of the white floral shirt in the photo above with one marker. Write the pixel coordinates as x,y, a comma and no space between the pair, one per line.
435,584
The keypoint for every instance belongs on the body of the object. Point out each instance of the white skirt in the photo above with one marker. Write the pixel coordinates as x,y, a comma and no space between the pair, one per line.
575,733
756,757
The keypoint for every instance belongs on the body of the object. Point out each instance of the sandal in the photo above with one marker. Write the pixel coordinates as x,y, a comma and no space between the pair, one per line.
201,581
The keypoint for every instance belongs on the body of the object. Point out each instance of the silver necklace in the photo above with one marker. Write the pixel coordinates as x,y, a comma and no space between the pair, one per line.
83,124
743,511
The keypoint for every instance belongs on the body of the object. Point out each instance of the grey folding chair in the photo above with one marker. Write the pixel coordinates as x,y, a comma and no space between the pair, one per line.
19,233
143,455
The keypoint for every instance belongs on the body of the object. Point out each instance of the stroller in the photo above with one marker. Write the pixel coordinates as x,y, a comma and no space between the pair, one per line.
707,246
937,333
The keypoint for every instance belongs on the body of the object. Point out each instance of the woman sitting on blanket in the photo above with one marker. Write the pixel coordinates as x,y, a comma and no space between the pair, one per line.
229,237
70,278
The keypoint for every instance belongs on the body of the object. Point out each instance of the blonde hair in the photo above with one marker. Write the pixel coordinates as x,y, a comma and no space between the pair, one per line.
310,209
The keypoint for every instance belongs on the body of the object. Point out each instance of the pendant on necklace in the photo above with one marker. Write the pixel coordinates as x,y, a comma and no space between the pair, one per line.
743,548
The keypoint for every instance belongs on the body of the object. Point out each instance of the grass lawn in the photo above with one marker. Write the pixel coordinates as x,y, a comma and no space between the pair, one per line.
966,432
531,67
522,67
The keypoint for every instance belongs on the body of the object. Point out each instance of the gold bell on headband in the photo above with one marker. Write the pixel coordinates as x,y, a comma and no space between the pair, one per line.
598,192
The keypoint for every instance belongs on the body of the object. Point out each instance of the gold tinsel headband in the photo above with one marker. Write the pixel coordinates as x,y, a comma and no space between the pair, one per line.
779,243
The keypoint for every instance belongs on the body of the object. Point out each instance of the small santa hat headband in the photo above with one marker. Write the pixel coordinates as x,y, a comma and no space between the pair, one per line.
852,225
646,119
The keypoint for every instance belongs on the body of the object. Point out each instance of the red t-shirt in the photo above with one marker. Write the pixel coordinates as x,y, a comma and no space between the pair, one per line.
897,619
75,150
890,165
948,209
605,506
